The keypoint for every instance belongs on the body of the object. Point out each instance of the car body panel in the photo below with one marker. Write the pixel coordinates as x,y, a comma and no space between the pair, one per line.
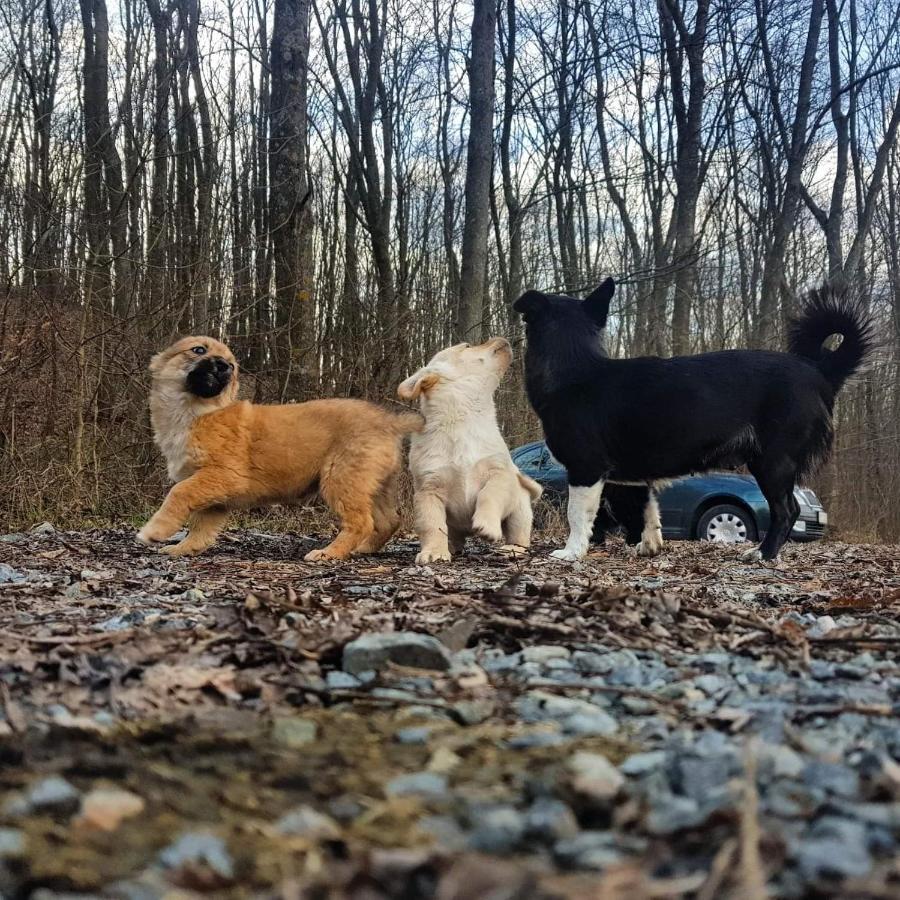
683,502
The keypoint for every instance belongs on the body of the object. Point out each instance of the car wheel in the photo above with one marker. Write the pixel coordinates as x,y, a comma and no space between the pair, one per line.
726,524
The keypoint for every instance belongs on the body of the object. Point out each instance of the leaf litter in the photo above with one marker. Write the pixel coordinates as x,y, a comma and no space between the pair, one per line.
684,726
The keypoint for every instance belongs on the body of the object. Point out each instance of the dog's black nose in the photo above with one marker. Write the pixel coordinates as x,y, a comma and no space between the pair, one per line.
222,366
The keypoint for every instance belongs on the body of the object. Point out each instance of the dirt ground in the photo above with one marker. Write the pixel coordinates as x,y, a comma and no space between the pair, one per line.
206,698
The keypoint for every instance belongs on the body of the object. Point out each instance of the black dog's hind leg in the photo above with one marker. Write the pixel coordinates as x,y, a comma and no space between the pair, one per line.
776,481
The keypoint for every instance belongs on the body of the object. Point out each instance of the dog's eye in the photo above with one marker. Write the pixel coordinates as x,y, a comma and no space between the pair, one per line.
198,350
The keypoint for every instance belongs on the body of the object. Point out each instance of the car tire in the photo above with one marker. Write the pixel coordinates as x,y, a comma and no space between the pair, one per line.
727,524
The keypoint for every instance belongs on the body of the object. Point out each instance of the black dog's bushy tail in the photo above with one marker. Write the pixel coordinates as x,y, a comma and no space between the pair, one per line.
826,312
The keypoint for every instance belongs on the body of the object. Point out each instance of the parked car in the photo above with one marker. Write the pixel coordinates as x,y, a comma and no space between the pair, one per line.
717,506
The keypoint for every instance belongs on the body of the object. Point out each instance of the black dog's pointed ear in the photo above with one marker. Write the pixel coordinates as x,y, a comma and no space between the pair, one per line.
596,304
529,302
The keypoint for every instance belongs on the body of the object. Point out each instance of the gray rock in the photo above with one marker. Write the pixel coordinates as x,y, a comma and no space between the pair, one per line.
591,723
638,706
593,850
830,857
671,814
549,820
835,778
416,735
501,664
445,832
473,712
43,528
710,684
53,795
627,676
8,575
12,843
780,761
342,681
199,848
15,537
698,776
498,830
429,785
305,821
641,763
375,651
536,739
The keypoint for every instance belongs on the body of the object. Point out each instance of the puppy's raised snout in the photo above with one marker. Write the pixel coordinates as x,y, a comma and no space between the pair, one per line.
222,366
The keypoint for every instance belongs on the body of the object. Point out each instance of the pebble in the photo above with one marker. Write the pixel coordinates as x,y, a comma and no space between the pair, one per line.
835,778
673,813
199,848
342,681
830,857
593,850
375,651
474,712
642,763
549,820
498,830
52,795
430,785
590,723
104,809
543,653
12,843
293,732
305,821
594,777
416,735
8,575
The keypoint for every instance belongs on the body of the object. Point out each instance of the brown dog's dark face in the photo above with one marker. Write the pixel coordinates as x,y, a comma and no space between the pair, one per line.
200,366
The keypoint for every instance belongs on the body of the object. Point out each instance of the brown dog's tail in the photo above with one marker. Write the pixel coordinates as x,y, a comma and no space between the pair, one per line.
407,422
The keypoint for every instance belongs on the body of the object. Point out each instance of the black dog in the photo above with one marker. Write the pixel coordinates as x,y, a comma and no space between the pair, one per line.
649,419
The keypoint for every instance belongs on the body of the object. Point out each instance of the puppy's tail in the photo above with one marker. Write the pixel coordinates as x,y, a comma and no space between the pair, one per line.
406,423
826,312
533,488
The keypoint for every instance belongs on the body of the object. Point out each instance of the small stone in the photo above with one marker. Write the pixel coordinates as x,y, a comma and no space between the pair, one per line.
12,843
104,809
641,763
593,850
429,785
671,814
784,762
8,575
593,723
15,537
536,739
543,653
831,857
638,706
474,712
835,778
293,732
342,681
417,735
823,625
193,595
594,777
710,684
43,528
375,651
305,821
498,830
549,820
444,831
53,795
199,849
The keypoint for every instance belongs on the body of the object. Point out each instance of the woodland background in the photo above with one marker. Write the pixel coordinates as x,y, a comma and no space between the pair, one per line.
341,188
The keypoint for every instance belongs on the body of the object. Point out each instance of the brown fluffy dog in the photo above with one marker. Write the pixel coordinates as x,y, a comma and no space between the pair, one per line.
226,454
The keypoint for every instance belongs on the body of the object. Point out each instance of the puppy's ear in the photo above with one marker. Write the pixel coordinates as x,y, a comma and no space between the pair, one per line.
596,304
157,361
529,302
416,385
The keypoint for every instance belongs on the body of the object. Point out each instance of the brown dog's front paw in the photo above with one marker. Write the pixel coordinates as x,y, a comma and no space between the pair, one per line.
150,534
183,548
323,555
490,531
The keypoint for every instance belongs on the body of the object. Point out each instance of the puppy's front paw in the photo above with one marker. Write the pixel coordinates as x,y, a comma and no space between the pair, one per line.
485,528
424,557
323,555
566,555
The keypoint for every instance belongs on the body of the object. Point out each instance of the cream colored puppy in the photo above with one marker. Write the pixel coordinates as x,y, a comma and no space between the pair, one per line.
464,478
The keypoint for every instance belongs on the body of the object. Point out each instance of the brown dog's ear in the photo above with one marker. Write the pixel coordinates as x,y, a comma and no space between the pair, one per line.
156,361
418,384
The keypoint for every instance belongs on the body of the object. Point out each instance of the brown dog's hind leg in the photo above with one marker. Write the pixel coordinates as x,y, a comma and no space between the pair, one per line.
199,492
385,515
205,526
349,488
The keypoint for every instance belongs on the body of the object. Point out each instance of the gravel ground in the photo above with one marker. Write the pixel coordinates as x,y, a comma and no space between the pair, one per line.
246,724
